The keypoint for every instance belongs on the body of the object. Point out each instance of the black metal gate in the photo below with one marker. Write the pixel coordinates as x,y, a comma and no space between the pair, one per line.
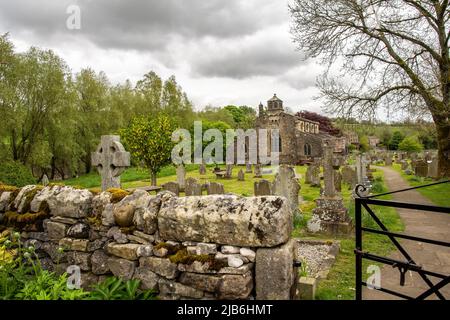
364,202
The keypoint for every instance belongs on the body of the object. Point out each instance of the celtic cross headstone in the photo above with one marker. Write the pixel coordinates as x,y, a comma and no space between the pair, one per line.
111,160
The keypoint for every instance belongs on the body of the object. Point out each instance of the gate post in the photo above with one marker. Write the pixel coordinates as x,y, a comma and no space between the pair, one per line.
358,249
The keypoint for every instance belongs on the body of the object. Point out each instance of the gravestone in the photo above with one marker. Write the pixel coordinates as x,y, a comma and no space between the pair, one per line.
330,215
202,169
262,188
388,160
172,187
338,180
248,168
241,175
181,176
215,188
404,164
286,185
421,169
433,169
44,180
258,171
315,176
111,160
229,171
193,188
349,176
308,174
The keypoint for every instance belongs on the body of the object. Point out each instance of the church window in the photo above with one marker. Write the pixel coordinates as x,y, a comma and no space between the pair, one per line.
308,149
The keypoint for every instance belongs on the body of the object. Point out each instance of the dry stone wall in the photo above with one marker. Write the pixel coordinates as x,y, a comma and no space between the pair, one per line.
199,247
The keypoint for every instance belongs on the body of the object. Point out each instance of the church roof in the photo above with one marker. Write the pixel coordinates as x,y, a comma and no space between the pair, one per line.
275,98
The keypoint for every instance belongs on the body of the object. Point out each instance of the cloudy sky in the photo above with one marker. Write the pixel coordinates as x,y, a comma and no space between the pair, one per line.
221,51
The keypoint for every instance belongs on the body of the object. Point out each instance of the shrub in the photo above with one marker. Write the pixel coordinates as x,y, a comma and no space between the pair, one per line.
15,174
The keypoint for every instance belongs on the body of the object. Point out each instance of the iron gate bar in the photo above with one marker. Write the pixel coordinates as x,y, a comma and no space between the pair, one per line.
429,292
364,201
413,206
397,244
398,294
403,190
408,237
397,263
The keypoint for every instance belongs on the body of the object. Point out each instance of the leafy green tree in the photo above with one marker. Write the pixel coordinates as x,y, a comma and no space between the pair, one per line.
149,140
410,144
93,108
243,116
364,144
397,137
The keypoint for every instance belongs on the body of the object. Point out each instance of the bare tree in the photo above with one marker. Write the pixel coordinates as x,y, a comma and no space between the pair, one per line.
394,54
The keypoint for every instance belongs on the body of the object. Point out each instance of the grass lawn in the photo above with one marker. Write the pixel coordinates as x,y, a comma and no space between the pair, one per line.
439,194
341,281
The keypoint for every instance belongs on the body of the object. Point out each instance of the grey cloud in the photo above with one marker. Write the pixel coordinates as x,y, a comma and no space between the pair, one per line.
137,24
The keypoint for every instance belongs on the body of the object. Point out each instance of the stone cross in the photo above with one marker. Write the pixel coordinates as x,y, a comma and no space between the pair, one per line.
328,170
111,160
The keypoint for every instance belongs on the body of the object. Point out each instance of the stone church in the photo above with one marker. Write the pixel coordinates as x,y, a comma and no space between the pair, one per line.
300,139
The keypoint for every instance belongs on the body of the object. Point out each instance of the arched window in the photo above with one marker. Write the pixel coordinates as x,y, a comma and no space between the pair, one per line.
280,145
308,150
307,127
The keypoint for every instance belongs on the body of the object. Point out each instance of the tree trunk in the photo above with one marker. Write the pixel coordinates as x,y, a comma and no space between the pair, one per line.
153,178
87,162
443,137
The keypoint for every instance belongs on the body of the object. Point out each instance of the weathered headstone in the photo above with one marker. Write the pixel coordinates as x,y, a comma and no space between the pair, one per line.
349,176
315,176
308,174
421,169
241,175
44,180
181,176
404,164
262,188
433,171
229,171
193,188
258,171
388,160
286,185
215,188
330,215
111,160
248,168
202,169
172,187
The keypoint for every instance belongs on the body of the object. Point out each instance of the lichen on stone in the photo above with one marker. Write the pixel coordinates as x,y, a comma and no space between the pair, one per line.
117,194
183,257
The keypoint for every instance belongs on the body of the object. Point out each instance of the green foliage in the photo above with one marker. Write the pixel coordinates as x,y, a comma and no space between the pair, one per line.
15,174
410,144
244,117
116,289
364,144
149,140
397,137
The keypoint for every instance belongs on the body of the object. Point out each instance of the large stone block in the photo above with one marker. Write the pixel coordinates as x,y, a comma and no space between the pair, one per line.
99,262
149,280
70,202
160,266
236,286
275,273
145,217
126,251
56,230
122,268
202,282
226,219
